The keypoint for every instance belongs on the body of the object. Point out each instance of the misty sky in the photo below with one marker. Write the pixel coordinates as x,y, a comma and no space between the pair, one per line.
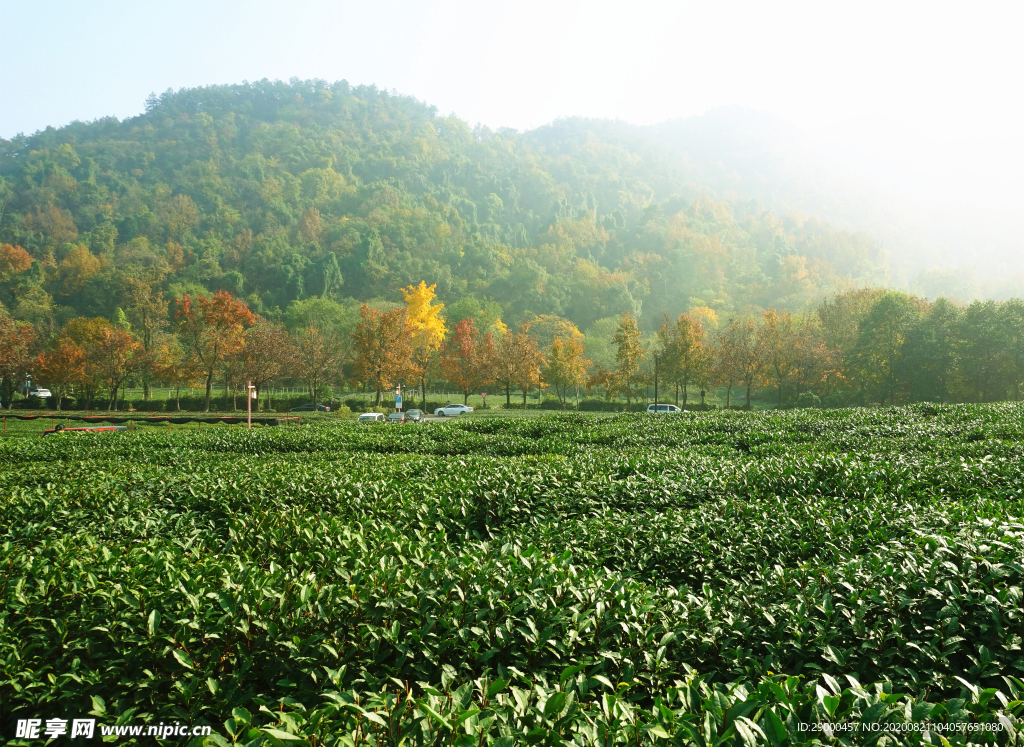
922,97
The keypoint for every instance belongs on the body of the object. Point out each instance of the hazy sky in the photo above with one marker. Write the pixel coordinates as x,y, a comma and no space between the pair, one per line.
924,95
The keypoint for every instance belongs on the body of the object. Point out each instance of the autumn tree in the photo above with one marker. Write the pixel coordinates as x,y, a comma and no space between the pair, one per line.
87,333
840,319
383,348
267,352
628,355
602,377
318,359
13,261
741,347
566,367
426,326
517,361
15,354
112,359
174,366
468,358
683,359
63,368
148,314
212,328
777,340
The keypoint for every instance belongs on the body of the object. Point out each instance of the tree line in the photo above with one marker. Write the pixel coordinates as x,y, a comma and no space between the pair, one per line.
859,347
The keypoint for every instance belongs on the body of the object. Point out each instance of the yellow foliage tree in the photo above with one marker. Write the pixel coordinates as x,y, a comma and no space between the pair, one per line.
629,353
427,327
566,367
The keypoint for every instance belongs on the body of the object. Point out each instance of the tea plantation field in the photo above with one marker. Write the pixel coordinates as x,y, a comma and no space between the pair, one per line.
793,577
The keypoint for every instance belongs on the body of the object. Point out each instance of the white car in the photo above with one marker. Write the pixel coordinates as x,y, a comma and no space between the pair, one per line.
40,392
663,408
451,410
371,417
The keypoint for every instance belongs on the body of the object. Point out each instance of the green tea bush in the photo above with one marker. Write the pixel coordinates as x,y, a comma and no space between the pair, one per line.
703,578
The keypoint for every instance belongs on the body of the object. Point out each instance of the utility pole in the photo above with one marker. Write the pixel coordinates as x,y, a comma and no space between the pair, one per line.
655,382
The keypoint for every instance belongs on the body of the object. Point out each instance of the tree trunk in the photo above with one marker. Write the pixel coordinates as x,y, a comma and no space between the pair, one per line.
209,389
748,396
465,397
508,395
728,396
145,389
677,394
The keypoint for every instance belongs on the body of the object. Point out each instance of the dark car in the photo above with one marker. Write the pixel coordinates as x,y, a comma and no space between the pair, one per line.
398,417
309,407
414,415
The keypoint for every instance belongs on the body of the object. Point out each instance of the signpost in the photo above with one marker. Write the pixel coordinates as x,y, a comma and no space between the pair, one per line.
484,396
248,402
398,398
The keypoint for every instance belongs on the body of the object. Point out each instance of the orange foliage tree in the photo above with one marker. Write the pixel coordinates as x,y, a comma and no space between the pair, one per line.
63,368
15,354
268,351
13,261
467,359
211,329
112,359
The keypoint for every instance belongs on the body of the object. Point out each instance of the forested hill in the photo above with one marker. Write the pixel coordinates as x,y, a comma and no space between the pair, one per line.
278,191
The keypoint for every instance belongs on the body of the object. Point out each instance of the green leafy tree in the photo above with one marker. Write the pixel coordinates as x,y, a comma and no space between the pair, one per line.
882,334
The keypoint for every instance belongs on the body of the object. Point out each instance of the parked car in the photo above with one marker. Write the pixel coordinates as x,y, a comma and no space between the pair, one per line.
371,417
451,410
414,415
40,392
399,417
309,407
663,408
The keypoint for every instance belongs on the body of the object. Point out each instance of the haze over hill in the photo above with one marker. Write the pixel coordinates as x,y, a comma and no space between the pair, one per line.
278,191
902,125
938,241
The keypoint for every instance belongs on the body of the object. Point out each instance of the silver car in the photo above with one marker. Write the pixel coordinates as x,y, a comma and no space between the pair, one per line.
663,408
451,410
